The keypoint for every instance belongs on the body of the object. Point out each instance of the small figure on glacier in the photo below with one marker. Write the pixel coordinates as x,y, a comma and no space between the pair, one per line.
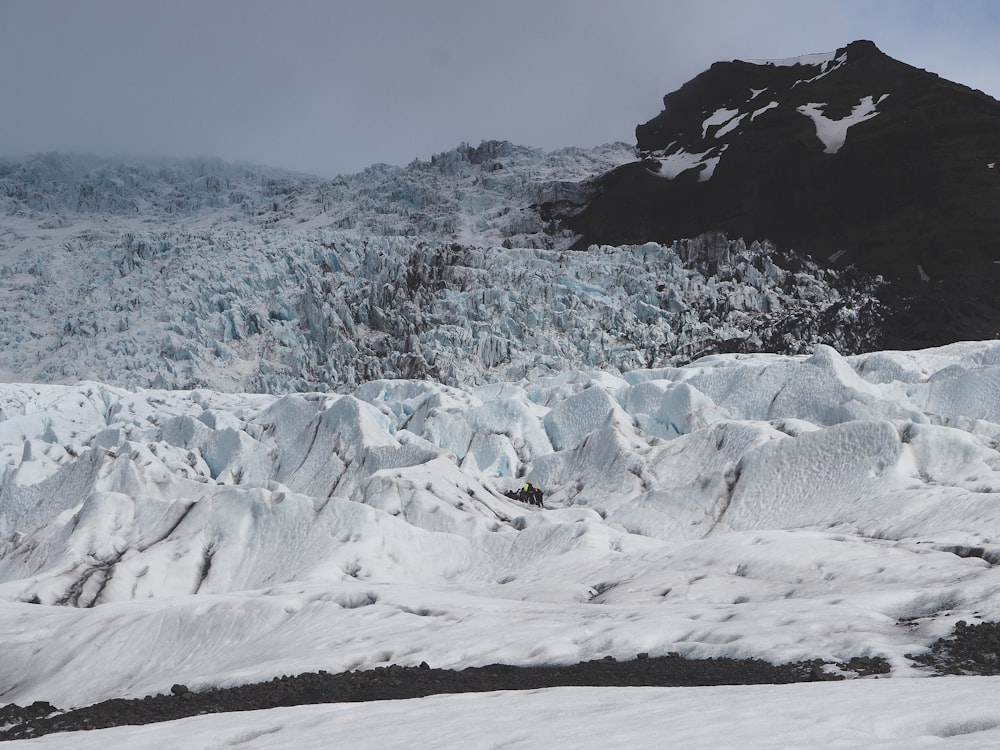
537,497
531,494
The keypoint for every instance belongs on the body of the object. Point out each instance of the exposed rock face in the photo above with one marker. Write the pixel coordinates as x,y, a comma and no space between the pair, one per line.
852,157
853,154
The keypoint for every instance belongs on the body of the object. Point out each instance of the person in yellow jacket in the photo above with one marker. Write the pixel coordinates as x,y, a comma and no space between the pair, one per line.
531,494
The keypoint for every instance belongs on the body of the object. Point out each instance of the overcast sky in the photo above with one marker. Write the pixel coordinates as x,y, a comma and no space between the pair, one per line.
331,86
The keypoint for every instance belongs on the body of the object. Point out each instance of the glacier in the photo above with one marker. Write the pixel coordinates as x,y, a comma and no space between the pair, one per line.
256,424
203,274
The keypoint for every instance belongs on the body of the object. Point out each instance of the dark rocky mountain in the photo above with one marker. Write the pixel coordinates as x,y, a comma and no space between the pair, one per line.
854,158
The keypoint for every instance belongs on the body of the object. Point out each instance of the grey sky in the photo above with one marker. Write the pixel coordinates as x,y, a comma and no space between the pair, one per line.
331,87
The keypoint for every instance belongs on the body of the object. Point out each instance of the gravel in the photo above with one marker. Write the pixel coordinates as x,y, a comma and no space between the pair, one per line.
395,682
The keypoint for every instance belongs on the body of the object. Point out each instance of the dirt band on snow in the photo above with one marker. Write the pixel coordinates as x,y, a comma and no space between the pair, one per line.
395,682
971,649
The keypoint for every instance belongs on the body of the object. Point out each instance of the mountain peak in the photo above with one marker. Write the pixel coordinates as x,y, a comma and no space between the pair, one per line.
718,107
850,154
857,52
852,157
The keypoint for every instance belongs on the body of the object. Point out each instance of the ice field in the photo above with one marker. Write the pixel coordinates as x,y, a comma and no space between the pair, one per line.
782,508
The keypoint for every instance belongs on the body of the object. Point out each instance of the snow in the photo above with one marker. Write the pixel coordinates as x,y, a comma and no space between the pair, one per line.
833,133
888,714
671,165
763,506
724,121
758,112
717,119
818,59
711,164
730,126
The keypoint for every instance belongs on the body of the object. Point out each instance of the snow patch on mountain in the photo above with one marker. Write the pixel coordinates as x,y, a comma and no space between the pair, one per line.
758,112
887,714
670,165
816,60
833,133
718,119
827,62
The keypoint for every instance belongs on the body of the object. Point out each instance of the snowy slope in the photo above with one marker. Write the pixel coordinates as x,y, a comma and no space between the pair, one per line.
744,505
887,714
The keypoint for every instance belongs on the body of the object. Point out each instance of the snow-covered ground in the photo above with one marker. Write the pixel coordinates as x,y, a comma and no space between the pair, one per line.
785,508
256,424
956,712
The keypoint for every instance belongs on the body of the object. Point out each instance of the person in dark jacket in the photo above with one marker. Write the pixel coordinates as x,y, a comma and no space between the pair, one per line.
531,494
